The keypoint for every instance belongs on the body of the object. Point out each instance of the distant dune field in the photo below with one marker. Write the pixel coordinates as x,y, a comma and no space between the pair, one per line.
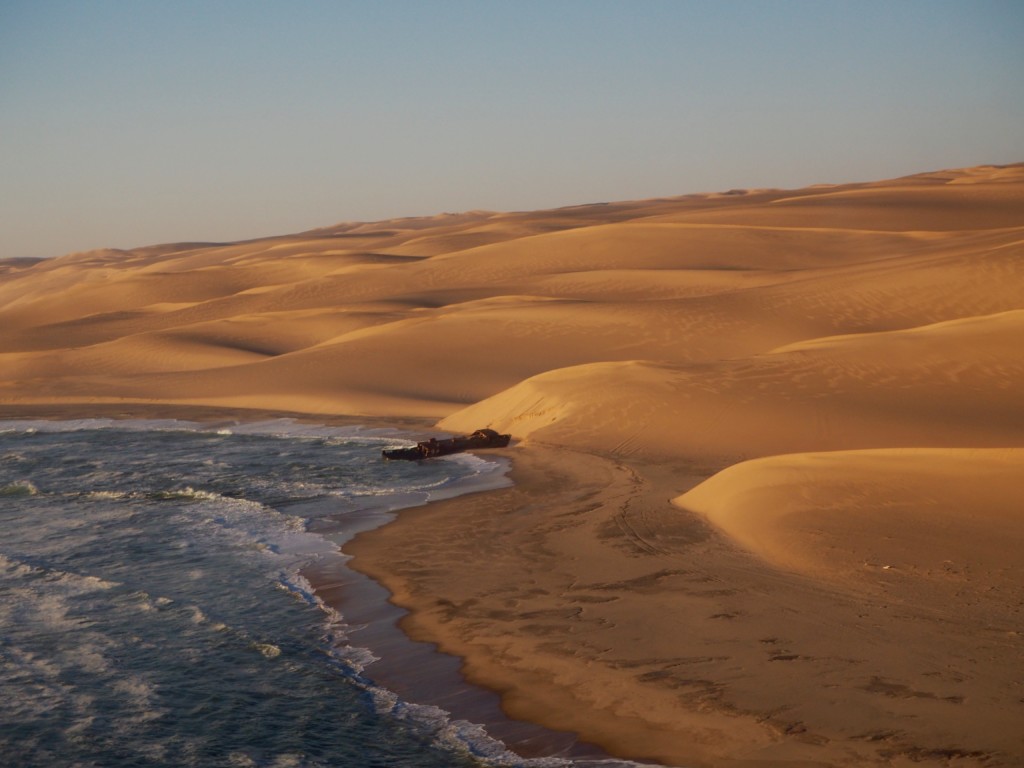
829,382
427,316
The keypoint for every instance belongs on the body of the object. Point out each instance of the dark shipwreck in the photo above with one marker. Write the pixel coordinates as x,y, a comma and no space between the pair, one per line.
482,438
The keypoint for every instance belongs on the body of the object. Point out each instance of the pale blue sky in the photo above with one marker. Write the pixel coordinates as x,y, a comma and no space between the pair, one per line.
132,122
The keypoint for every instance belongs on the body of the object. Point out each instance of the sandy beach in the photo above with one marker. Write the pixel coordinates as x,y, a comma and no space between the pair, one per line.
768,445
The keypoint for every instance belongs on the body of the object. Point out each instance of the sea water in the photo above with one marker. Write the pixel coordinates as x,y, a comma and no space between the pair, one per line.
154,612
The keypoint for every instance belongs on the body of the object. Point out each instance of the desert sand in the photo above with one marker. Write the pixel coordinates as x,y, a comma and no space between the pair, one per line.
769,445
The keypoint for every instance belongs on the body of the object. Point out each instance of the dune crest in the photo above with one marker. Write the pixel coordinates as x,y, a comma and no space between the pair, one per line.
923,514
951,384
465,306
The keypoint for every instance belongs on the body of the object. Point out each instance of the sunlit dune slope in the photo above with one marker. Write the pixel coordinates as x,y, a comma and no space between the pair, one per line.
972,198
932,527
957,383
434,314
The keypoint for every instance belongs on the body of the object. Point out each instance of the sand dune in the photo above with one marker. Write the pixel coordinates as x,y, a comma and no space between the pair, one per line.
968,199
849,515
838,370
957,383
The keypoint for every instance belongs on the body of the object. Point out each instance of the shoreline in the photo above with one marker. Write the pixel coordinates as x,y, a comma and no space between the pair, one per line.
416,671
638,626
647,631
542,476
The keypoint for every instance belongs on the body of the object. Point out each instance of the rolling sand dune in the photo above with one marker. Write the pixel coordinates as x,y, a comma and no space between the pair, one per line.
769,445
960,506
958,383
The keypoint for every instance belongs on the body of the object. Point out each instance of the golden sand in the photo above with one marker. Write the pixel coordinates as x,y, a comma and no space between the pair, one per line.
769,445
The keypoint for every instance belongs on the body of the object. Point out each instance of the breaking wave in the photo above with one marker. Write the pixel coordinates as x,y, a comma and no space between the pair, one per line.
18,488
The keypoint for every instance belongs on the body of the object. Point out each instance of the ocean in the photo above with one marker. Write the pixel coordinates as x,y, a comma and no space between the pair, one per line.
154,608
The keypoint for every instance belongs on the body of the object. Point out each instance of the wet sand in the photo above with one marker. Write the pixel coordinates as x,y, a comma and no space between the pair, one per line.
593,605
418,672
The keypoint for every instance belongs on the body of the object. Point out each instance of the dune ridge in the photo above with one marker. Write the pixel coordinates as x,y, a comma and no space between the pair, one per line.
768,444
958,505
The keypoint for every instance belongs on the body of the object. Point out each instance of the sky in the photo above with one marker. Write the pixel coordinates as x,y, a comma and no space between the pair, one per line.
126,123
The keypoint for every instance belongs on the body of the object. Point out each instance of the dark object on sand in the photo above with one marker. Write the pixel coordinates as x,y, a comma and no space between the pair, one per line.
482,438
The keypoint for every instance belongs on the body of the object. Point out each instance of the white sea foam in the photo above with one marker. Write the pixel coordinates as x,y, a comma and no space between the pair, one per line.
187,493
434,723
14,568
90,658
245,524
19,488
462,736
53,603
66,581
289,761
268,650
111,495
353,660
37,667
